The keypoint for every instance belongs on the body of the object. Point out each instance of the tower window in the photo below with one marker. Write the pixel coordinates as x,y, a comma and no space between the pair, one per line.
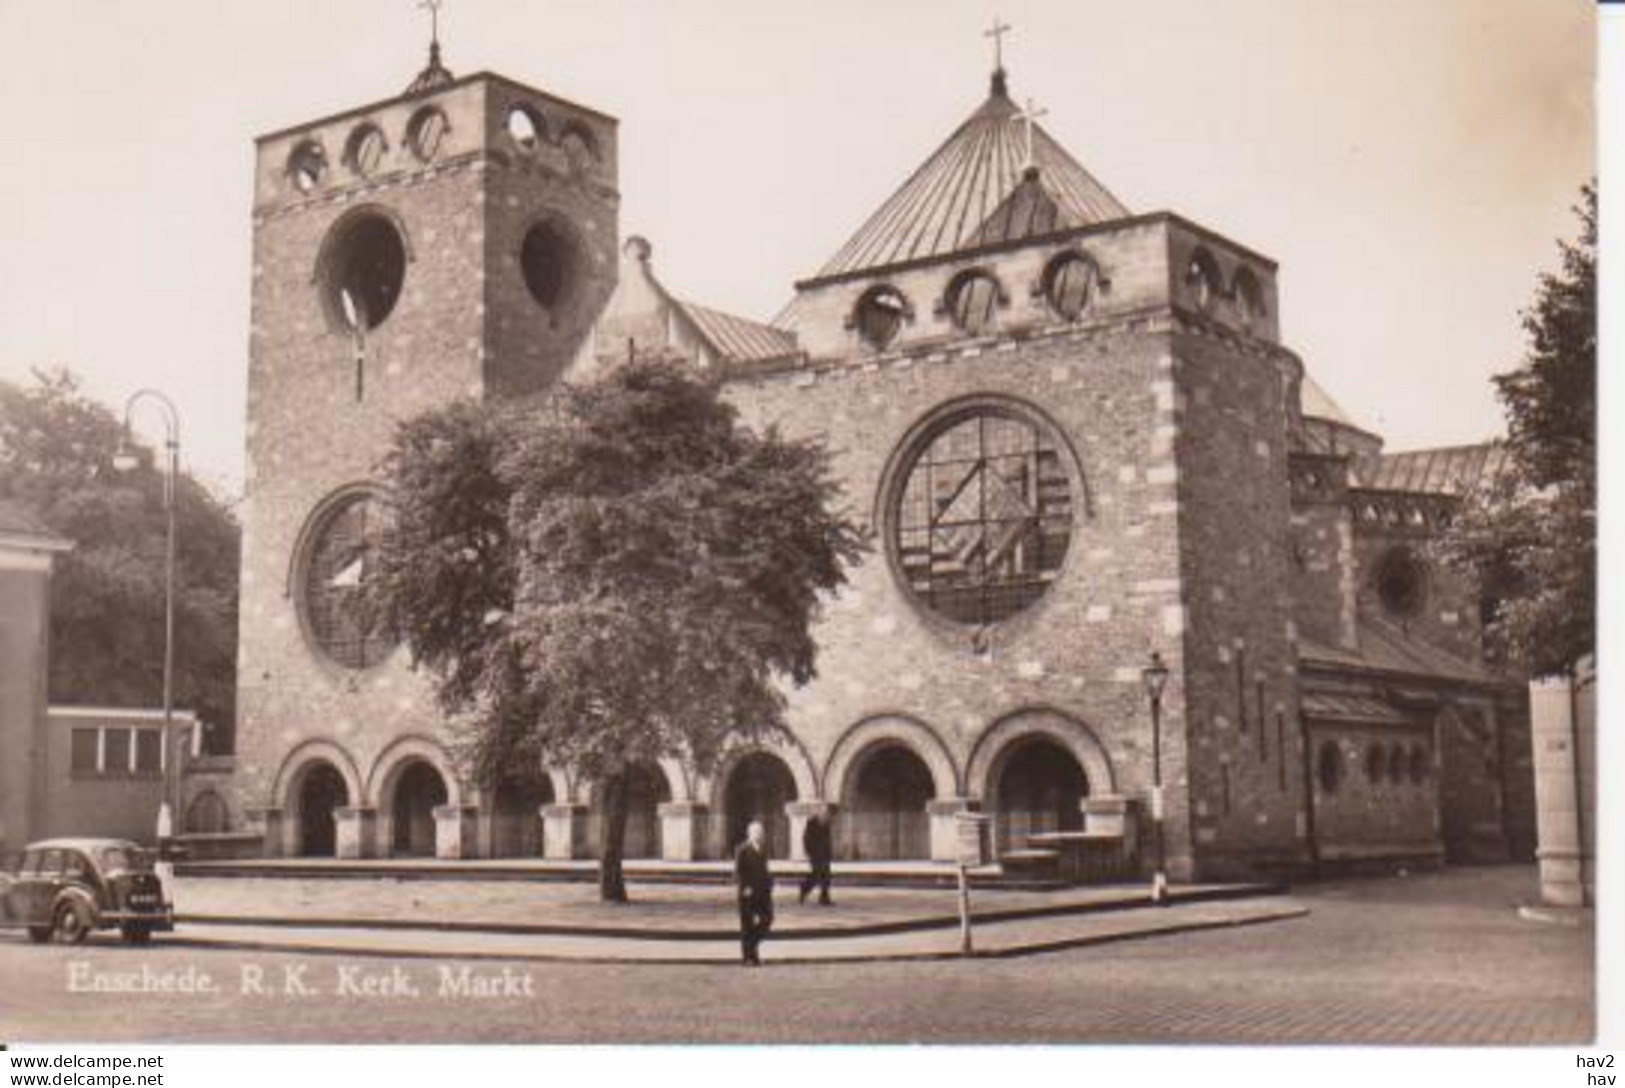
1202,280
1401,582
335,567
425,132
983,516
549,258
366,149
879,315
973,301
525,127
363,268
580,149
306,166
1249,298
1069,284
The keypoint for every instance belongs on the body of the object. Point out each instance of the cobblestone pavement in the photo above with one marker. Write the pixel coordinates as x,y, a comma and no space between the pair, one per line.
1438,958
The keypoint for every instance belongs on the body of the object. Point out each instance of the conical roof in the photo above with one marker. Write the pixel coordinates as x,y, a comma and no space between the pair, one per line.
976,190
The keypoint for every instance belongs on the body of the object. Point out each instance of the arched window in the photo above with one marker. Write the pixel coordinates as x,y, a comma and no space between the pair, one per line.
983,514
1401,582
1070,282
1249,298
334,568
1329,766
973,301
365,150
525,127
1202,280
1376,764
307,164
880,314
426,132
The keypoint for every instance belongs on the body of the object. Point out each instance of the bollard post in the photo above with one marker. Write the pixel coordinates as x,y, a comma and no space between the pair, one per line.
965,947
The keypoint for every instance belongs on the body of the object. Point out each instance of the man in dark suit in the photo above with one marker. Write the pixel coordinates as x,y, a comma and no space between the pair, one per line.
755,882
815,840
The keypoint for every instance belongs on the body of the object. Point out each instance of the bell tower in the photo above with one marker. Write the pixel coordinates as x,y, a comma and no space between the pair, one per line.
456,240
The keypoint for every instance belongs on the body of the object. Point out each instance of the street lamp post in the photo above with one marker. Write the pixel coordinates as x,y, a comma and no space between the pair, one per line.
1155,676
125,460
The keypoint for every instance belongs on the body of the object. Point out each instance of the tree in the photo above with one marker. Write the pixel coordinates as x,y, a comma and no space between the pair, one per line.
618,574
1529,537
107,596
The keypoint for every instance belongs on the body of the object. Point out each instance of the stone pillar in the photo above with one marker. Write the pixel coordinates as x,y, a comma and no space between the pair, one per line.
944,831
1565,748
564,832
682,830
799,813
267,823
353,831
456,828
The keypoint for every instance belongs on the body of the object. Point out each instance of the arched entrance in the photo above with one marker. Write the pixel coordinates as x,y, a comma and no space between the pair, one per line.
883,814
516,822
759,786
1038,788
321,790
646,789
418,791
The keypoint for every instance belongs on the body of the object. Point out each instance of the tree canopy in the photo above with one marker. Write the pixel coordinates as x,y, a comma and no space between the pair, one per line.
1529,537
618,574
107,595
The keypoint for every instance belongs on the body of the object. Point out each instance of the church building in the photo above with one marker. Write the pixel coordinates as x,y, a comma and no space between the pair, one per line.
1069,427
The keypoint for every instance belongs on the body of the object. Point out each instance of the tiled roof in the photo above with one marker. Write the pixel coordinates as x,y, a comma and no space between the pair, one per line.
975,191
1449,470
1386,648
739,339
1318,403
1345,707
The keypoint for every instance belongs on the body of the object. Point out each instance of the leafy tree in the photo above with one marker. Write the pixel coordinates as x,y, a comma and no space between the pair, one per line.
1529,537
620,573
107,595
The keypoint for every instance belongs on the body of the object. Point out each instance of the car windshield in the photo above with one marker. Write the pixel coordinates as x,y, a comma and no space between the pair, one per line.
115,858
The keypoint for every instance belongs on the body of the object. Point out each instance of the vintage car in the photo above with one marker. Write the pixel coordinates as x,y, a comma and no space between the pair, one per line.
66,888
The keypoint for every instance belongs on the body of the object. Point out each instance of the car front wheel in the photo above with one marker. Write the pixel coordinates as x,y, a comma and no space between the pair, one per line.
72,923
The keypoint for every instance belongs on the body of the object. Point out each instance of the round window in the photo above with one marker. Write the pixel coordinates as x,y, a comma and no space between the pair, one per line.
364,267
973,301
983,515
1069,283
425,133
1401,582
306,166
879,316
524,128
549,257
366,149
334,572
1329,767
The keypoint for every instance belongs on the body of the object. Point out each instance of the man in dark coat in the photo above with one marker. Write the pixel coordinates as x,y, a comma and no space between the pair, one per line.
755,882
815,840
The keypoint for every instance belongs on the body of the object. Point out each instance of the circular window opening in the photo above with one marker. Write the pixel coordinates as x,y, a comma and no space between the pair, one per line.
1202,278
336,569
1069,284
548,258
973,301
306,166
524,127
1401,582
1329,767
425,133
579,149
367,149
880,315
983,516
1376,763
365,267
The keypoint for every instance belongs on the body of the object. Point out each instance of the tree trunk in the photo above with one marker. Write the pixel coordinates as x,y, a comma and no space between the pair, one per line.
612,841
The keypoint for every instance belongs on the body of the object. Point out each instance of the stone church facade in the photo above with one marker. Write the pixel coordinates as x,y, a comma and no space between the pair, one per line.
1070,429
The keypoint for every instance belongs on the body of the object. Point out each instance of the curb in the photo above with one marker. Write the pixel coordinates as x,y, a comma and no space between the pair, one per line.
1016,951
860,929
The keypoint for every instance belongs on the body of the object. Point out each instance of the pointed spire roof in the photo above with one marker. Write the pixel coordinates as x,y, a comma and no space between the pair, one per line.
977,189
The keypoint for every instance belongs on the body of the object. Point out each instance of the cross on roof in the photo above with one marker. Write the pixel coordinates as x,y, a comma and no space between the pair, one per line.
1029,115
433,8
997,32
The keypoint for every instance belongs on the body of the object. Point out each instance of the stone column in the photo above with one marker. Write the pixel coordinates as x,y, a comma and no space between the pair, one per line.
455,831
267,823
944,831
353,831
682,830
799,813
1565,785
564,832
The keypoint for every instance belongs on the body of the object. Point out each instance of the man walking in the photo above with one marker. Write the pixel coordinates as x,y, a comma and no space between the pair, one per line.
815,839
755,892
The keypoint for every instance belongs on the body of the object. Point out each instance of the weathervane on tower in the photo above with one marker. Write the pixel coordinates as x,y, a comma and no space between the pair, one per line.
997,32
435,75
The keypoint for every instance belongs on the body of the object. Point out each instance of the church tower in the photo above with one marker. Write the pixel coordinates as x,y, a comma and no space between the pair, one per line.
455,240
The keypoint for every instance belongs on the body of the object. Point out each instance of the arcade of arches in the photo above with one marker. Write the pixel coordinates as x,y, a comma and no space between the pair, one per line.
884,808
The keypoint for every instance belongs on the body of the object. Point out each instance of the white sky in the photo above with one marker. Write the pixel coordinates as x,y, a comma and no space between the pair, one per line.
1409,162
